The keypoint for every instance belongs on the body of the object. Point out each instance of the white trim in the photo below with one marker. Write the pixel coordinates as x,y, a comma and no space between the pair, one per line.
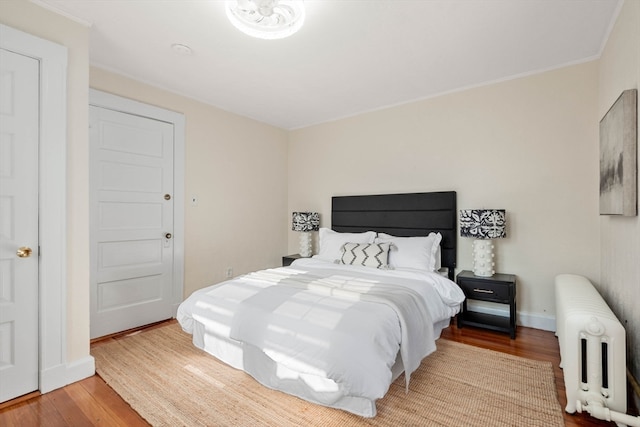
80,369
52,200
537,321
59,11
449,92
612,24
124,105
61,375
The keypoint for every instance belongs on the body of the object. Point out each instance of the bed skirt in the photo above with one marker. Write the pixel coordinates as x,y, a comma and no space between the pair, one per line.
266,371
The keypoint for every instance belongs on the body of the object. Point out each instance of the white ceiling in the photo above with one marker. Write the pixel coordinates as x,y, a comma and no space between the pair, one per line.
351,56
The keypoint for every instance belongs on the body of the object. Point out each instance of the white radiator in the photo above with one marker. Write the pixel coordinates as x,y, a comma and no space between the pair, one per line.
592,350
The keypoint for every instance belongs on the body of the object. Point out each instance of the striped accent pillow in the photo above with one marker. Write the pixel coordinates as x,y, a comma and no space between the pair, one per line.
374,255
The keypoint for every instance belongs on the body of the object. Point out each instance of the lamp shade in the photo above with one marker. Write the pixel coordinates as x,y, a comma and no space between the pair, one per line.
483,223
305,221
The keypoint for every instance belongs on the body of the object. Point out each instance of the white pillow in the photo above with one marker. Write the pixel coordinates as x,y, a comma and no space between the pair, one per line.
413,252
374,255
438,257
331,242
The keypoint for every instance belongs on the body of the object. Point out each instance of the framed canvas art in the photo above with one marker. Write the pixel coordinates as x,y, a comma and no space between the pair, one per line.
618,157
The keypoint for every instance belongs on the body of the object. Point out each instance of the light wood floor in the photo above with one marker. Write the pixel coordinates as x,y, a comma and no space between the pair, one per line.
91,402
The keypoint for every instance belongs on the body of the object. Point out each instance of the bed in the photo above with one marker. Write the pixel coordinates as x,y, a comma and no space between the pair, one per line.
338,328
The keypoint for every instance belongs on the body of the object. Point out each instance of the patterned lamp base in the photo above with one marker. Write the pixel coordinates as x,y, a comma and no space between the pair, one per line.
305,244
483,258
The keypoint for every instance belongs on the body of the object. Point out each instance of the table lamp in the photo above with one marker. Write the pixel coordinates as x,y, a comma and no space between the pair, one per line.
483,225
305,223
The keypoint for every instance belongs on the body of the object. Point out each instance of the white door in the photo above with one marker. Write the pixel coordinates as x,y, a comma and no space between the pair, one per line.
132,201
19,126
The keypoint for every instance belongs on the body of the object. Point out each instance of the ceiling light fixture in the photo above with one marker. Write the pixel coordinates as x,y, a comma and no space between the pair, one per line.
266,19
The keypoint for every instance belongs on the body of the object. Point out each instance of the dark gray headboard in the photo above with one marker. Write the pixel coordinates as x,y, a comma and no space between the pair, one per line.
405,215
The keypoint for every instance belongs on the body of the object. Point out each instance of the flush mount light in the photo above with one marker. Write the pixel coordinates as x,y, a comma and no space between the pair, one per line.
266,19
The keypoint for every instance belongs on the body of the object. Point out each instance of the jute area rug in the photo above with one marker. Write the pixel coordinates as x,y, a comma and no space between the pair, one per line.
169,382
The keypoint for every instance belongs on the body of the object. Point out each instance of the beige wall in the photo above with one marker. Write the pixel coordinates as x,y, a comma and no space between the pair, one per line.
619,69
527,145
25,16
237,168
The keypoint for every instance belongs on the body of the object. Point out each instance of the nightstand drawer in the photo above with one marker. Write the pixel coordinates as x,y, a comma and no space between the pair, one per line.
485,291
499,288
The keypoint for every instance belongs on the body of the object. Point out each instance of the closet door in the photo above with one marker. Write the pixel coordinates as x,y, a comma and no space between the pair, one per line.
19,140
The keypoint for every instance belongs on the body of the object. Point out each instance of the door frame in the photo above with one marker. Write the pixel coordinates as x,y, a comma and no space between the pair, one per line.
52,200
109,101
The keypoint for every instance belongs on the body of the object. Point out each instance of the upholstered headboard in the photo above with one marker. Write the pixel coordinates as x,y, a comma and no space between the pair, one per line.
404,215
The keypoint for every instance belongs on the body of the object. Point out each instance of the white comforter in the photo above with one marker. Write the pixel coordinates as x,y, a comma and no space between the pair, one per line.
340,328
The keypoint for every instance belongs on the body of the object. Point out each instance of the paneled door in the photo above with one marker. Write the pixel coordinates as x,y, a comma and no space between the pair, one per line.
19,128
132,202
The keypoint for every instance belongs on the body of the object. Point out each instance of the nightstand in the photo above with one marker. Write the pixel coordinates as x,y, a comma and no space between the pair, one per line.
499,288
287,260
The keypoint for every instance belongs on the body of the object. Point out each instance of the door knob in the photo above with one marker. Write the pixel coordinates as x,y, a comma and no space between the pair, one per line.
167,236
24,252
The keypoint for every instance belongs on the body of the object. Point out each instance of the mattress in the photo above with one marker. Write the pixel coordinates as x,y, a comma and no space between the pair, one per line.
331,334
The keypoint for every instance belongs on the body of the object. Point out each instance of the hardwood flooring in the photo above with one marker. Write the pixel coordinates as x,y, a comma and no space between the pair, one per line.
531,344
91,402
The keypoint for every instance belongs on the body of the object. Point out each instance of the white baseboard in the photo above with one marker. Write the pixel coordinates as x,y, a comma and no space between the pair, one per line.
81,369
52,378
537,321
61,375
